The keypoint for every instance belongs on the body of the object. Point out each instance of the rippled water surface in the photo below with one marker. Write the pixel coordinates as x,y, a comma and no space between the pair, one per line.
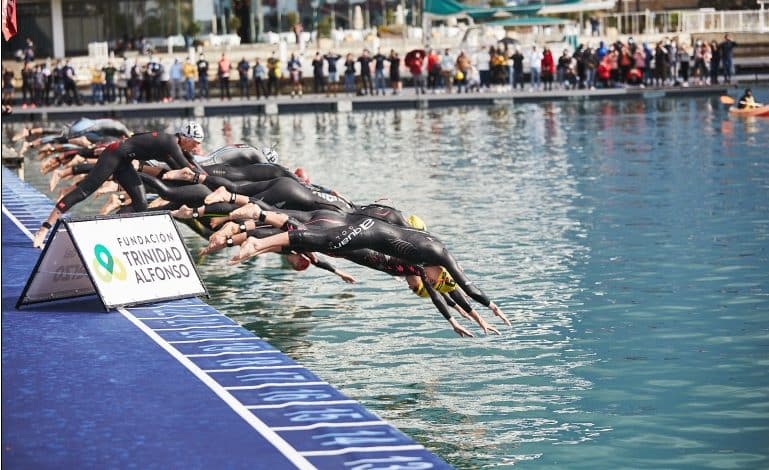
627,241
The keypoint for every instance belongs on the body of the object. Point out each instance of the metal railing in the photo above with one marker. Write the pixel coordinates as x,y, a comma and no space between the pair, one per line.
699,21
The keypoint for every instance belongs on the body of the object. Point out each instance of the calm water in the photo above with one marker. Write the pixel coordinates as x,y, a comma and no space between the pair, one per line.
627,241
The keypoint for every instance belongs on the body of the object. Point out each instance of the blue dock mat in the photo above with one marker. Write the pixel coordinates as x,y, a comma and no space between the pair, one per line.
170,385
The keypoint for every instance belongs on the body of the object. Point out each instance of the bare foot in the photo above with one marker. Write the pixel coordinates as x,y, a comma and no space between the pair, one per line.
249,211
229,229
113,203
76,160
158,202
22,134
217,221
183,212
49,165
184,174
55,178
220,195
107,187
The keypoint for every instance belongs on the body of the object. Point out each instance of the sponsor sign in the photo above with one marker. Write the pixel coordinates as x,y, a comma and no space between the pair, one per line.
125,259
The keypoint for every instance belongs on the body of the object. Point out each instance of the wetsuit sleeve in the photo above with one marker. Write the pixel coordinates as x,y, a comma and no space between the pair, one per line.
460,300
449,301
325,265
435,296
264,231
176,156
82,168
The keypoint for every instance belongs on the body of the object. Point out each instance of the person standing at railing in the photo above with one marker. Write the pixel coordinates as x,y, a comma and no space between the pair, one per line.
395,71
202,66
189,72
243,68
176,76
349,74
683,64
535,64
109,72
726,49
97,85
715,62
333,75
366,87
317,74
517,61
379,78
121,81
260,75
223,74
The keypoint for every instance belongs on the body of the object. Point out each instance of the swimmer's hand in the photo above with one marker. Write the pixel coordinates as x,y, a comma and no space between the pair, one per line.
39,239
248,249
478,319
459,329
345,277
498,312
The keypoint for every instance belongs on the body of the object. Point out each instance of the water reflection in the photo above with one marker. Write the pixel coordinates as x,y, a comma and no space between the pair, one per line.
623,239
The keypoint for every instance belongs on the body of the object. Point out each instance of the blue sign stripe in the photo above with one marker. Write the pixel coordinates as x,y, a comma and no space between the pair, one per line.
232,361
272,395
229,345
250,378
327,438
300,415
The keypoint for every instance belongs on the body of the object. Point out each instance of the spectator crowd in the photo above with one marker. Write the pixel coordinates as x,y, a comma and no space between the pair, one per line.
501,67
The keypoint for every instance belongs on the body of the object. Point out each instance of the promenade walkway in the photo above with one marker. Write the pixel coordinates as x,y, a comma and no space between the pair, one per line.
171,385
285,104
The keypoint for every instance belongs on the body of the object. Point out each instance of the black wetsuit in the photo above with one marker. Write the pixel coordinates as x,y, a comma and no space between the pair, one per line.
412,246
116,161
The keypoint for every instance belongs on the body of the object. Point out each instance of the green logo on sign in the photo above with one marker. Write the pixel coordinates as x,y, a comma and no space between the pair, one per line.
107,267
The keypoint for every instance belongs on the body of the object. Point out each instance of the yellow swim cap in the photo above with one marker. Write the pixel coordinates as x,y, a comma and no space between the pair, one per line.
445,282
421,291
416,222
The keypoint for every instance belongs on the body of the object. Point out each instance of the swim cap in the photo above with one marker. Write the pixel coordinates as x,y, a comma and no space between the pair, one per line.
444,284
416,222
298,262
192,130
270,154
421,291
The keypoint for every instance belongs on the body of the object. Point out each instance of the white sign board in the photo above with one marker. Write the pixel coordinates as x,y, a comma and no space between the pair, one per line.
128,260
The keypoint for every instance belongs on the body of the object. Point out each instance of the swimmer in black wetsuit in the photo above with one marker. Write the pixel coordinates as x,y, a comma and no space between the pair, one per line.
116,161
83,132
361,232
232,234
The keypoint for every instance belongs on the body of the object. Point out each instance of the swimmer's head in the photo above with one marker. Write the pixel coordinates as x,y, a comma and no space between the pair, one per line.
416,222
444,284
298,262
302,175
270,154
192,130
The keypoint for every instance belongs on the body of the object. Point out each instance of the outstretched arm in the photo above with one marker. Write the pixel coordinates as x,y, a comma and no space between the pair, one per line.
439,303
329,267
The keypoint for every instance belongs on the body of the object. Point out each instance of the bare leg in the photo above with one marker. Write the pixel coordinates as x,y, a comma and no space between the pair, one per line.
257,246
